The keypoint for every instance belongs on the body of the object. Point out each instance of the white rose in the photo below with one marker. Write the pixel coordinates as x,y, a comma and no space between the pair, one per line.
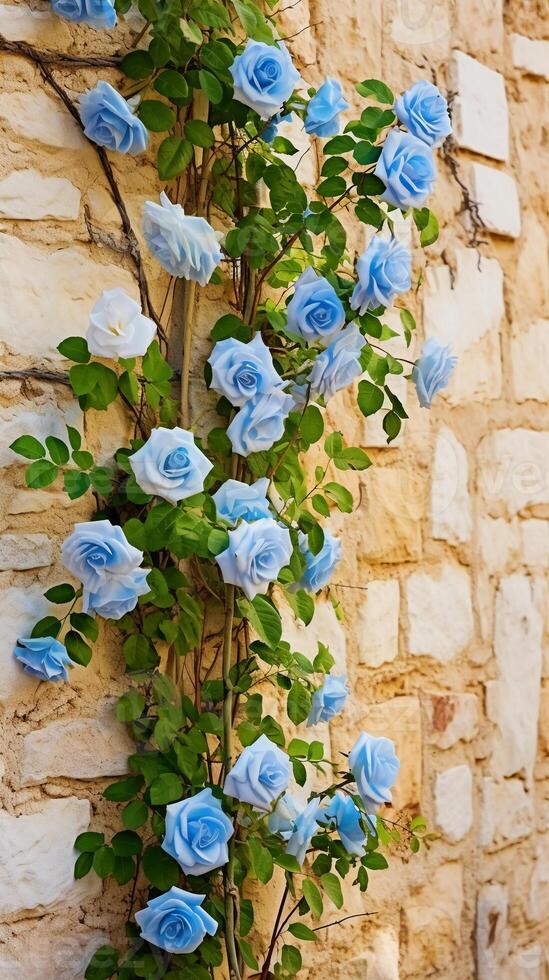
117,326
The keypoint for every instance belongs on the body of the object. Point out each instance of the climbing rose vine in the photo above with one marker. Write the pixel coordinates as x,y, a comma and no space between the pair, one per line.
198,536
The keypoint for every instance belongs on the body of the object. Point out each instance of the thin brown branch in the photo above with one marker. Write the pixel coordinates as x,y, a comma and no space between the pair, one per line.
56,58
35,374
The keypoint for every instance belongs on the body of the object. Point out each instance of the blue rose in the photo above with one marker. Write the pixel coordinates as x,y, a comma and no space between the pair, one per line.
260,422
185,245
407,168
424,111
384,271
242,371
269,132
305,827
282,820
329,700
264,77
432,371
319,568
197,832
235,501
342,811
255,555
118,595
96,13
175,921
43,657
315,311
170,465
375,767
338,365
259,775
322,116
97,550
109,121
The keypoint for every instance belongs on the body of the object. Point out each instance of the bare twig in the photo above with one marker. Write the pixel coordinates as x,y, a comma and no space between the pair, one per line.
35,374
56,58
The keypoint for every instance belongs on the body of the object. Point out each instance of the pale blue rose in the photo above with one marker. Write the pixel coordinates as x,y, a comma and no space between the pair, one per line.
384,270
109,121
185,245
264,77
338,365
96,13
197,832
243,371
282,820
43,657
170,465
329,700
259,775
255,555
424,110
315,311
268,134
260,422
322,116
407,168
375,767
319,568
305,827
235,501
118,595
342,811
97,550
175,921
432,371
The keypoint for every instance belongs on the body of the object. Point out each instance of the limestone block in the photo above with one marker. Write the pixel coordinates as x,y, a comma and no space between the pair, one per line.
50,948
492,932
532,56
392,506
529,357
379,962
507,812
534,543
38,117
433,920
440,613
35,501
377,623
513,469
513,699
496,194
451,718
527,964
487,16
37,858
20,23
498,541
451,516
78,748
465,311
480,117
454,802
538,898
20,551
21,608
49,294
28,194
544,722
40,421
531,275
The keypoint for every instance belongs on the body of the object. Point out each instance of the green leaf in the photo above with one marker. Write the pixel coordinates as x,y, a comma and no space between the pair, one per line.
291,960
391,425
230,325
199,133
161,870
372,88
320,505
374,118
83,865
159,50
48,626
95,381
332,187
248,955
58,451
370,398
298,748
166,788
124,869
75,484
103,861
137,64
130,706
332,887
374,861
78,651
156,115
299,703
75,438
89,841
312,424
210,13
288,861
139,654
155,367
29,447
429,234
262,860
313,898
135,814
75,349
263,618
60,594
339,144
102,964
282,145
83,459
210,85
300,931
85,624
172,84
340,495
126,843
302,604
123,790
40,474
174,156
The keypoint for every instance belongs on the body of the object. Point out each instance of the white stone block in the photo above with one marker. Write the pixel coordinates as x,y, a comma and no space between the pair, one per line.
35,501
37,858
499,543
480,116
77,748
513,699
451,517
526,964
40,421
451,718
496,194
531,55
40,118
507,812
19,23
20,551
440,613
529,359
492,933
377,623
27,194
48,947
379,962
21,608
454,802
49,293
464,310
513,469
432,916
538,898
534,537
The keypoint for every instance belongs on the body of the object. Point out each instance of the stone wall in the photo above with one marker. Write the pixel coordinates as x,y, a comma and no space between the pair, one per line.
442,583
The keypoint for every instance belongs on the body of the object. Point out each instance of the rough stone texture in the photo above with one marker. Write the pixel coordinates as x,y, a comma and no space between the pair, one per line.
20,551
480,117
451,516
377,623
529,353
464,308
440,614
492,934
534,543
530,55
513,470
20,23
450,718
507,812
27,194
65,948
38,117
36,870
433,920
454,802
528,964
538,898
392,507
496,194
